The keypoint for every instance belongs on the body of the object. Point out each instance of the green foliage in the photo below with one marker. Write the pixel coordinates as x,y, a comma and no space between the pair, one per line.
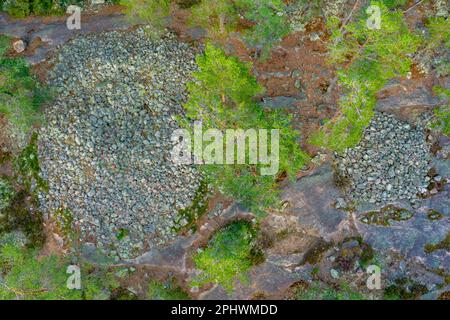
218,17
26,276
222,98
442,113
320,291
20,93
229,254
268,19
6,194
152,12
24,8
165,291
394,3
367,59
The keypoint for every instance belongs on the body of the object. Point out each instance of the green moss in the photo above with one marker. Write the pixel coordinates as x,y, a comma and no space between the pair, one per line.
385,216
6,193
187,218
404,289
442,245
315,254
64,222
229,255
27,166
320,291
434,215
122,233
165,291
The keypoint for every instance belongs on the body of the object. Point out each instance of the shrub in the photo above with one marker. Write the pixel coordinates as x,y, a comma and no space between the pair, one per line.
26,276
17,8
222,97
227,257
367,59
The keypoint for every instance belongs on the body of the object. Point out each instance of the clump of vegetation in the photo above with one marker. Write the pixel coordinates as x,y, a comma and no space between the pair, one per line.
318,290
229,254
222,97
27,166
315,254
386,215
442,113
24,8
165,291
152,12
26,276
189,216
21,95
434,215
64,222
368,58
442,245
404,289
6,193
267,17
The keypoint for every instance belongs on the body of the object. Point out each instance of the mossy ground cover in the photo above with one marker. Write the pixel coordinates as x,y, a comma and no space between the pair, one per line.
228,256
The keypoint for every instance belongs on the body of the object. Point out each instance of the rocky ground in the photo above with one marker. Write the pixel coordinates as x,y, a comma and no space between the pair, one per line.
105,150
383,202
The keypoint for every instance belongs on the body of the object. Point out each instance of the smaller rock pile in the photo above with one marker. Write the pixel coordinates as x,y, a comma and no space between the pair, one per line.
389,164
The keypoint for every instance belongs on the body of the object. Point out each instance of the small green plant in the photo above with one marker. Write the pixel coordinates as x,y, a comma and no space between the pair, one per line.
6,194
165,291
26,276
228,256
367,58
122,233
222,97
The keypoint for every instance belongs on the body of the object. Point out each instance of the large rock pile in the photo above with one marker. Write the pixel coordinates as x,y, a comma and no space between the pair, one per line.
106,148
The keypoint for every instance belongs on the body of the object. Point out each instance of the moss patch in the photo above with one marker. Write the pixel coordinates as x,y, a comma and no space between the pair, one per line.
229,255
165,291
385,216
188,217
404,289
442,245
